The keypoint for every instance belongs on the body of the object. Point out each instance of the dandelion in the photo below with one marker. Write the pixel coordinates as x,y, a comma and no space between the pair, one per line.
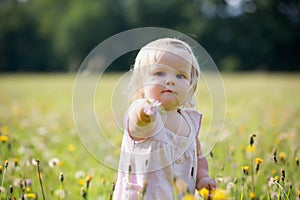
80,182
246,169
6,164
188,197
79,174
251,142
71,148
60,193
252,195
282,156
282,175
30,196
217,194
258,162
1,169
3,138
250,148
299,193
102,180
275,156
297,161
88,180
61,177
53,162
16,162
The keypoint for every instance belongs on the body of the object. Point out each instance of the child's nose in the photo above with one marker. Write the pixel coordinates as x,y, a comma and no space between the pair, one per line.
170,81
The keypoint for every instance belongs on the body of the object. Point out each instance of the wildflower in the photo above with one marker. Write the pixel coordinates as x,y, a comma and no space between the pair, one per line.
80,182
30,196
11,189
102,180
83,192
3,138
16,162
61,177
282,174
71,148
246,169
88,180
35,162
152,107
188,197
79,174
275,155
217,194
252,195
258,162
53,162
282,156
299,193
1,169
60,193
297,161
6,163
250,148
252,139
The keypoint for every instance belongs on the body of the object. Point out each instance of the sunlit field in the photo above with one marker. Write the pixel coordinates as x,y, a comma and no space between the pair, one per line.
42,157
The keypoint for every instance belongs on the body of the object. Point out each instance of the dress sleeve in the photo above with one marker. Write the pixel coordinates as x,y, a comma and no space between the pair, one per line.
196,119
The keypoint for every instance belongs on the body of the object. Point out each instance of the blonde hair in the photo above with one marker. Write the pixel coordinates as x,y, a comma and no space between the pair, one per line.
149,55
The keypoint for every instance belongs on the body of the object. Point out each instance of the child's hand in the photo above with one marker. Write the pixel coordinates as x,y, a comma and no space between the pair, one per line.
206,182
147,111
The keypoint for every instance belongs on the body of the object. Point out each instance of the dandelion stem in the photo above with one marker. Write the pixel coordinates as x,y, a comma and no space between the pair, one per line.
40,178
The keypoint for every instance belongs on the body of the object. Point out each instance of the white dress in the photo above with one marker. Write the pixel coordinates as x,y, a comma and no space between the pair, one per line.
150,166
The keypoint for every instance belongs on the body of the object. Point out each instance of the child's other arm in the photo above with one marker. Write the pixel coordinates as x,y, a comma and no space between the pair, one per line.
203,178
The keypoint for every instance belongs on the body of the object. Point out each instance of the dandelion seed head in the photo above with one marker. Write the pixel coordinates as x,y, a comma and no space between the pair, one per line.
54,162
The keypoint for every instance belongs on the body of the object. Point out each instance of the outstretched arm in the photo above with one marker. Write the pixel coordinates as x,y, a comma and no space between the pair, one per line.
141,118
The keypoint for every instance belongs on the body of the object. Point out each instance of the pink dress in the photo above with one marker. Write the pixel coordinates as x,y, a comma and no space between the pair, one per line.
150,166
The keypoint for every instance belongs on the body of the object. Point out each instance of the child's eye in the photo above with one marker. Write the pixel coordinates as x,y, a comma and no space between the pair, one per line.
181,76
159,73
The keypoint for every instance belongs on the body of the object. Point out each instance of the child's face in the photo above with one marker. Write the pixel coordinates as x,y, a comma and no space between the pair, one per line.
168,81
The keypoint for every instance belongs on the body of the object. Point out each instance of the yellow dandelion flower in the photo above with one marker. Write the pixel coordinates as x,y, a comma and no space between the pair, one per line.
259,160
203,193
27,189
80,182
3,138
297,161
252,195
71,148
102,180
282,155
276,178
30,196
246,169
250,148
188,197
117,152
217,194
299,193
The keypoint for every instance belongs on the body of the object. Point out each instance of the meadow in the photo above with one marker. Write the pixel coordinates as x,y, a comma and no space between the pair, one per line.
42,157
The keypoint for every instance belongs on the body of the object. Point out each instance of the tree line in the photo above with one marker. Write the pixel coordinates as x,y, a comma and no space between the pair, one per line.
56,35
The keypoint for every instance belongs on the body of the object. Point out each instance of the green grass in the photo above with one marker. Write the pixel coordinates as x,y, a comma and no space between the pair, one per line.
36,118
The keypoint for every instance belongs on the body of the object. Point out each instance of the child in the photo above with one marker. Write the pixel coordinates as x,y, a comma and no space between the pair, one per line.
160,146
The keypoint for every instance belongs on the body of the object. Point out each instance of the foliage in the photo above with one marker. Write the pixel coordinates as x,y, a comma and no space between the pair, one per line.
55,35
256,157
